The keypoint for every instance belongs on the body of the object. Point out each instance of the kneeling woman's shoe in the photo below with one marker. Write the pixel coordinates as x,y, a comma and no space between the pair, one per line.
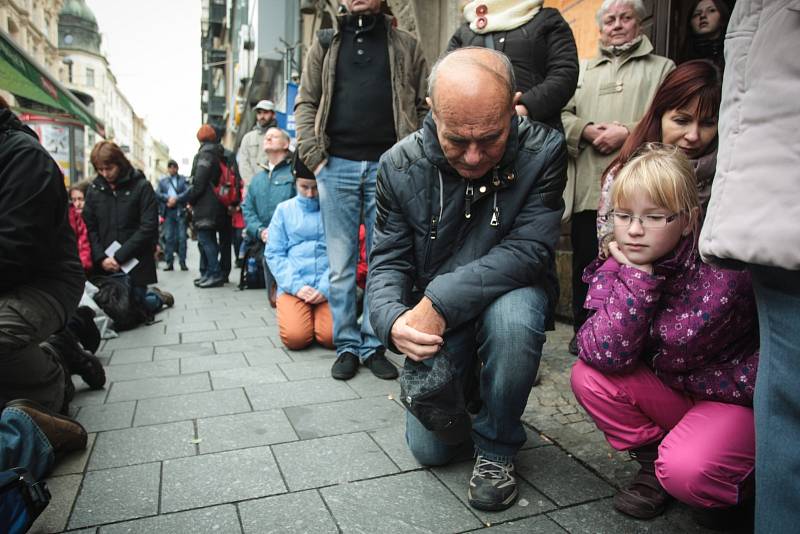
643,498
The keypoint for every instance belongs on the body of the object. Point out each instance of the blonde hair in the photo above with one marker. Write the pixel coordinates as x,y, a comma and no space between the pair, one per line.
664,174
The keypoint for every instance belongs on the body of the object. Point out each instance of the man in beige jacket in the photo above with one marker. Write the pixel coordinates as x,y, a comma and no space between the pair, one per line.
614,90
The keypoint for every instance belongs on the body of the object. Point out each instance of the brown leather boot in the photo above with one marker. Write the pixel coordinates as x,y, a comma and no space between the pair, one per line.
643,498
63,433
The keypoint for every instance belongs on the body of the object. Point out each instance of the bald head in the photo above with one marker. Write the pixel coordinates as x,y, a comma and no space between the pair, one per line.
472,71
472,99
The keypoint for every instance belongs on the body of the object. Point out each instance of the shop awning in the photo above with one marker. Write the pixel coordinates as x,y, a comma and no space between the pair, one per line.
21,75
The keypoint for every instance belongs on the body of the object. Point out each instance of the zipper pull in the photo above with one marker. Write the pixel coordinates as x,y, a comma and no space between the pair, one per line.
495,217
434,229
495,179
468,201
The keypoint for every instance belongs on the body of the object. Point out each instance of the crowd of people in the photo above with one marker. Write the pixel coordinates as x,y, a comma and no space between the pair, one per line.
450,192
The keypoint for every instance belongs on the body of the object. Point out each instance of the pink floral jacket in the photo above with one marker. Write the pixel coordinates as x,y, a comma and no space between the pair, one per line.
695,325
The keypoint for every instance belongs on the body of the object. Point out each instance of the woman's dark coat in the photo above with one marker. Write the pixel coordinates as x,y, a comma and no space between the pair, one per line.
127,214
208,213
545,60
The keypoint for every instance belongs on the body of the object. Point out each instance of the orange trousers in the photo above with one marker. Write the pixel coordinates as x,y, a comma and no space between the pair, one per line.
299,324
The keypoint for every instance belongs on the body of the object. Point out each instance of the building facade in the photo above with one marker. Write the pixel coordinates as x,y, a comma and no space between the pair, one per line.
33,25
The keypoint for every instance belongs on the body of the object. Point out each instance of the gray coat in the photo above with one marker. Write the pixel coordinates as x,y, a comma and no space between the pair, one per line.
425,244
754,212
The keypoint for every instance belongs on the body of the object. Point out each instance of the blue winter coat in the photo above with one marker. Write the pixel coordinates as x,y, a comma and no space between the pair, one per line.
296,251
266,191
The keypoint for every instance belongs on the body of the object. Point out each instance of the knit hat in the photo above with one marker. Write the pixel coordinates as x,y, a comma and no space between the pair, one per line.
299,169
206,134
487,16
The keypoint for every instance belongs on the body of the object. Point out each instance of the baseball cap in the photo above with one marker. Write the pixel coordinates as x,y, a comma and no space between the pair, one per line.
266,105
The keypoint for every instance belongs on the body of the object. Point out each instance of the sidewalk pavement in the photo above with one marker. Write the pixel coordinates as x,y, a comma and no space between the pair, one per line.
208,425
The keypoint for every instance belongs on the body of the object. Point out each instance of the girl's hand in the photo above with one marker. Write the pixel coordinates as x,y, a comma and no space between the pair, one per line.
618,255
110,265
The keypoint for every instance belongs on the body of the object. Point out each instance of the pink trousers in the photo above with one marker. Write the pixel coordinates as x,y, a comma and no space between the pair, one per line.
707,455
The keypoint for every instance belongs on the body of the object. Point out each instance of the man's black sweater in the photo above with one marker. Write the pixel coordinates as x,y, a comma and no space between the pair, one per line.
361,123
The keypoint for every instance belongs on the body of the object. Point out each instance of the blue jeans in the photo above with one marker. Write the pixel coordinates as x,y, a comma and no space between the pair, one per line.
346,192
209,254
23,444
174,236
146,298
507,339
777,400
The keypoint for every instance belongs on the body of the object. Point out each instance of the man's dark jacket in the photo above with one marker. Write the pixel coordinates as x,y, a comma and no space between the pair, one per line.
181,185
128,215
208,213
545,60
37,244
471,262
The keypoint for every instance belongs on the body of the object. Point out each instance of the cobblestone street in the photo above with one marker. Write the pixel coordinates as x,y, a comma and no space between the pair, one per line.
207,425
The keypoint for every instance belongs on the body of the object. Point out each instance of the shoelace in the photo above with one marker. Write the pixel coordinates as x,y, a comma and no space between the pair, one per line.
489,469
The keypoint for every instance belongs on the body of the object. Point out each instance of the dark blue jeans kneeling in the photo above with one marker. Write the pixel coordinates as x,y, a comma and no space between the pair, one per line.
507,339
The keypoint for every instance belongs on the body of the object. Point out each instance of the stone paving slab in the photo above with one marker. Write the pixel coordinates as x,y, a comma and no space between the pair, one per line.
207,335
244,345
393,442
85,396
213,362
117,494
63,490
293,512
126,356
366,385
267,356
74,463
133,371
148,388
306,370
247,376
557,476
131,446
142,337
194,326
321,420
531,525
184,351
107,416
244,430
219,478
286,394
333,460
214,520
408,502
191,406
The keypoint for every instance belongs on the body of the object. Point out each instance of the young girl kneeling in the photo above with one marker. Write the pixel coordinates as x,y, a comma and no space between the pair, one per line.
668,359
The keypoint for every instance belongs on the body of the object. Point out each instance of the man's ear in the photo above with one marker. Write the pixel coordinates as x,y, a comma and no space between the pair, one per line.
517,97
429,102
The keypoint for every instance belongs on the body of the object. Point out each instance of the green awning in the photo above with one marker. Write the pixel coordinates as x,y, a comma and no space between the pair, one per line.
21,76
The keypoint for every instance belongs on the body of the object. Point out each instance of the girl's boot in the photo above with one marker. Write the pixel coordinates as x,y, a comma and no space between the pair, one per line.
643,498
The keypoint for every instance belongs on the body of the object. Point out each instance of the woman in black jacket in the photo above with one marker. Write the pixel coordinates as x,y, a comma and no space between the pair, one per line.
540,45
208,213
121,208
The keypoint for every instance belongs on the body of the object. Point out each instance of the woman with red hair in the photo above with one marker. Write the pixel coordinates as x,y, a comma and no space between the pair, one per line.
684,114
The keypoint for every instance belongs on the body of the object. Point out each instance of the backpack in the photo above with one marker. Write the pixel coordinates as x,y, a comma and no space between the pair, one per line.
229,186
21,500
115,298
252,273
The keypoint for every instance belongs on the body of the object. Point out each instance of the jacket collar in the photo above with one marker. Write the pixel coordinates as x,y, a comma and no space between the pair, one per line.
342,20
645,47
122,182
9,121
433,150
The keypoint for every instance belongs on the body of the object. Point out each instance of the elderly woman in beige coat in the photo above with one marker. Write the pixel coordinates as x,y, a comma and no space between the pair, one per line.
614,90
753,220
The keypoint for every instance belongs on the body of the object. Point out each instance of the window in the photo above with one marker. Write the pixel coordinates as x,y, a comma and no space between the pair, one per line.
90,77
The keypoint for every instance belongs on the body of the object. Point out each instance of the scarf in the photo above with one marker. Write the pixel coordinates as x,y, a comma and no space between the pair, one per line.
623,49
487,16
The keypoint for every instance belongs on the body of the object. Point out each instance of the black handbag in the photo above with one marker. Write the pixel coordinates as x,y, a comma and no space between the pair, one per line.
434,394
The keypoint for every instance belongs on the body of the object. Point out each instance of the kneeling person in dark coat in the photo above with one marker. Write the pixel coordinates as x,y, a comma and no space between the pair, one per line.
462,269
121,207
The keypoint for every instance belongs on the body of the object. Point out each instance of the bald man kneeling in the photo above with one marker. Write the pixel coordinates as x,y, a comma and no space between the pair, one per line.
462,273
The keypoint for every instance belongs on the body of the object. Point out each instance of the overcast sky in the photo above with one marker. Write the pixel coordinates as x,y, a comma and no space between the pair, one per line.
153,49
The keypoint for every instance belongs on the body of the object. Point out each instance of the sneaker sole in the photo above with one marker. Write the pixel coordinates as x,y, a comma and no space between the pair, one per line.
342,376
493,506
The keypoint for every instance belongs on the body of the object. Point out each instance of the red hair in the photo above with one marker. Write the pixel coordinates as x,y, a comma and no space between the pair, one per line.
698,79
108,153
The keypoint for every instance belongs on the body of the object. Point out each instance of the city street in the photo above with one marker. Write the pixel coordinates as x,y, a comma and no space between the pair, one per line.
207,425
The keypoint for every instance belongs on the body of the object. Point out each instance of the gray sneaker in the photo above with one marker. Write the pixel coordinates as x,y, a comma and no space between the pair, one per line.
492,486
